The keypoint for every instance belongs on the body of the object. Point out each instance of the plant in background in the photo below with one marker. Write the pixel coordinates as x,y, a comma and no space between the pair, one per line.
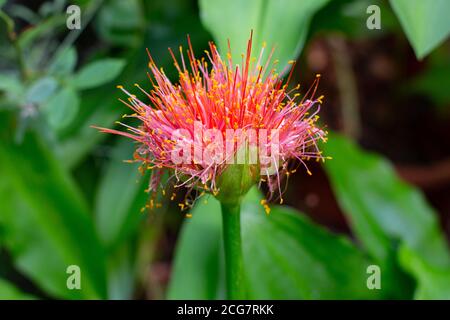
222,115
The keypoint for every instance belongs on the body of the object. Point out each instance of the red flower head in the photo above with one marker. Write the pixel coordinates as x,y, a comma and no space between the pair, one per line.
198,127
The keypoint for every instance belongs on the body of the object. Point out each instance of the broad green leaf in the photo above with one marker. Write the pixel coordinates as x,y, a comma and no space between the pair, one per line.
433,281
382,208
98,73
46,223
64,62
286,256
384,212
41,90
426,23
8,291
196,268
118,208
280,23
298,259
61,108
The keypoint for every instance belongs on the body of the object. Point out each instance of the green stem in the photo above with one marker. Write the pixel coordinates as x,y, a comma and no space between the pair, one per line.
233,251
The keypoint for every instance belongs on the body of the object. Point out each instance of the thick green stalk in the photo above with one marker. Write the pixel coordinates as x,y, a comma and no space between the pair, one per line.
233,251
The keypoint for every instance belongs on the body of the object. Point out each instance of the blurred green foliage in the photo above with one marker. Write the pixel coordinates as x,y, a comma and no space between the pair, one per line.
67,198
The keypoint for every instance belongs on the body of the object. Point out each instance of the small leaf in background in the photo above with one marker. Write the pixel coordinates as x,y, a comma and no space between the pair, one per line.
41,90
46,223
117,208
283,24
98,72
384,211
61,108
426,23
64,63
286,256
8,291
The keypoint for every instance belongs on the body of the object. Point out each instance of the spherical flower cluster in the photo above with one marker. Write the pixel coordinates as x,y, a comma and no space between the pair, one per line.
198,127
